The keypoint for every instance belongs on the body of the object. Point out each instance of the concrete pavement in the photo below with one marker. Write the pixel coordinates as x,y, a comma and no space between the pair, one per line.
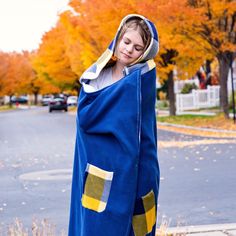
198,230
202,230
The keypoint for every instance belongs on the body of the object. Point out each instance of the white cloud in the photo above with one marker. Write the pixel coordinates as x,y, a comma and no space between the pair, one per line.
23,22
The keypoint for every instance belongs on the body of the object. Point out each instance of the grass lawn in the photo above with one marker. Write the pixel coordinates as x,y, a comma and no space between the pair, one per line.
214,122
72,108
6,108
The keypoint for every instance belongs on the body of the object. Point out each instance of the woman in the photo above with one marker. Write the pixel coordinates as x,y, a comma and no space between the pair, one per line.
116,174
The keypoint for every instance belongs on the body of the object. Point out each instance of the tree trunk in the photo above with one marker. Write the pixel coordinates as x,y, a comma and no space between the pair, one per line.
224,63
171,94
10,103
208,73
208,67
35,98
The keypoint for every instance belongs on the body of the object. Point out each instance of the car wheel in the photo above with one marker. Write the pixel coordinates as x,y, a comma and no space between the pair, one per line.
66,110
50,110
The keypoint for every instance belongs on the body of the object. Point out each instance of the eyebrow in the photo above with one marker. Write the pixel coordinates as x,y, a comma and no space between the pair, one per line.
135,44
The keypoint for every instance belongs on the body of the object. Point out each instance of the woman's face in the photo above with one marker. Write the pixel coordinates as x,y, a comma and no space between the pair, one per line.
130,47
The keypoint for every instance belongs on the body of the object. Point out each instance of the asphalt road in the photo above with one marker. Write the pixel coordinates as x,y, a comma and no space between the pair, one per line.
198,181
30,141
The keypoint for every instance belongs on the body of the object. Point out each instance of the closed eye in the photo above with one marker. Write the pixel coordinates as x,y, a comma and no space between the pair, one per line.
139,49
126,41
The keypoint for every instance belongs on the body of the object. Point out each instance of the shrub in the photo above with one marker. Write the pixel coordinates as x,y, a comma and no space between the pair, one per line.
188,88
162,104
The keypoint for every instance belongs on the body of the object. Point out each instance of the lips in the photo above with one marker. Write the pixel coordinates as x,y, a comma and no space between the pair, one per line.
126,56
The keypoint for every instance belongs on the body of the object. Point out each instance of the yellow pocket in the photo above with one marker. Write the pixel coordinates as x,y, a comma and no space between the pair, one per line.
144,217
97,188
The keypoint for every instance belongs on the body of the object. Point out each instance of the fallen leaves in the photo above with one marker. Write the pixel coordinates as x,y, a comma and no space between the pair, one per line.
181,144
197,132
211,126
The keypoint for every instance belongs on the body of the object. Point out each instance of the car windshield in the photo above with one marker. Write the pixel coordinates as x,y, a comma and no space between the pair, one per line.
58,99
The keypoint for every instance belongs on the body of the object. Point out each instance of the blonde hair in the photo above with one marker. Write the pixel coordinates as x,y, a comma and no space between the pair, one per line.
134,23
138,24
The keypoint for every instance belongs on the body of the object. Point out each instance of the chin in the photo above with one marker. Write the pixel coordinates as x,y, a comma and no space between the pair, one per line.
124,62
127,61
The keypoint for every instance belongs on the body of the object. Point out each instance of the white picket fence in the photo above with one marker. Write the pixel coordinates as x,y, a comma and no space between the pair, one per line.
179,84
203,98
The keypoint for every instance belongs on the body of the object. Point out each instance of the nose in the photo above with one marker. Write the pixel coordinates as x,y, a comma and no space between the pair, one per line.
129,48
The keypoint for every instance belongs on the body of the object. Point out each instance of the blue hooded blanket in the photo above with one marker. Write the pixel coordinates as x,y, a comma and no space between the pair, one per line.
116,173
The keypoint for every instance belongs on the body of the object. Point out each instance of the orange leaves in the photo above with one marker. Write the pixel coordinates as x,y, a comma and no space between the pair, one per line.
195,30
15,73
52,62
219,25
4,62
192,29
179,23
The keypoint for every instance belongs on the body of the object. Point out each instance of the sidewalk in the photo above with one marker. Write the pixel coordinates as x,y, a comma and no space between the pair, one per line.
202,230
203,113
197,230
195,130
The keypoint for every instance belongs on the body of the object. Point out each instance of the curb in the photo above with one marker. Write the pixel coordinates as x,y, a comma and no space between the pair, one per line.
184,126
196,128
202,113
215,229
72,113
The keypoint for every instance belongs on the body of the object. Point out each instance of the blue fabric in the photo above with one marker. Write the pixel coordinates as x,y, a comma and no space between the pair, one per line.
116,134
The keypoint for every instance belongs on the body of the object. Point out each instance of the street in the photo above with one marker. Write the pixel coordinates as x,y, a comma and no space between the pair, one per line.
30,141
198,181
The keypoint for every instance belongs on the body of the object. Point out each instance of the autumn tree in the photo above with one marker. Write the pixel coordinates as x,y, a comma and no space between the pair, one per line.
11,83
31,85
216,25
178,52
52,63
3,71
38,84
27,76
16,74
91,29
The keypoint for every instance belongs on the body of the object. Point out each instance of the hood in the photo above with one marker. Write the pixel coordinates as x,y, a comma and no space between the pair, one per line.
145,61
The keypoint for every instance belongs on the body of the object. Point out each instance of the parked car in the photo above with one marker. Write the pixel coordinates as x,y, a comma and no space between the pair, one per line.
58,103
72,101
46,99
20,99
